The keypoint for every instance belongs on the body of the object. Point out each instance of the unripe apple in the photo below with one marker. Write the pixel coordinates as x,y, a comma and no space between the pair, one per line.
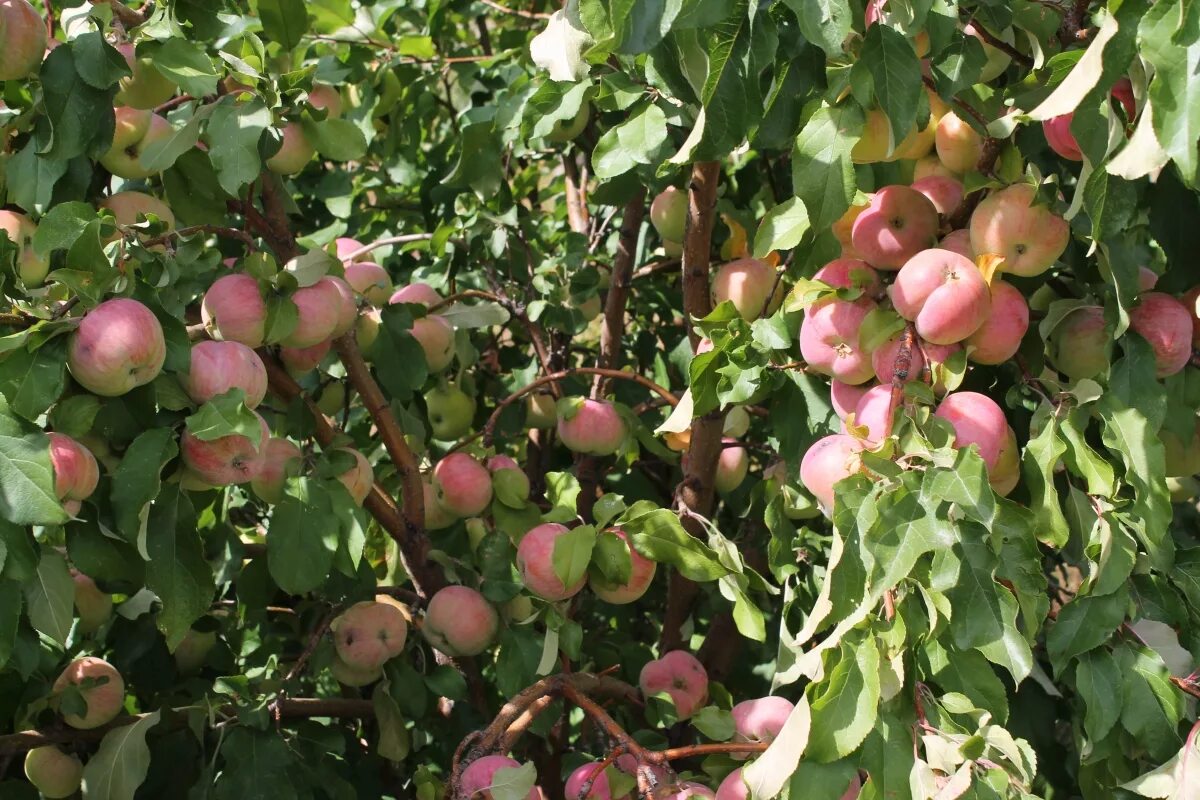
325,96
641,575
958,241
332,398
233,310
451,411
1182,458
368,634
872,145
347,308
760,720
737,422
508,479
22,40
932,167
480,774
462,485
218,367
320,311
732,466
843,229
844,397
20,229
535,562
668,213
125,160
998,339
873,412
1166,324
436,517
104,698
192,650
75,471
226,460
828,461
131,127
959,147
899,223
681,676
750,285
459,621
1058,135
592,427
345,246
366,331
943,293
146,87
94,606
997,59
436,337
1079,345
294,153
593,771
565,130
359,479
829,339
370,280
129,207
281,460
1029,237
540,411
977,420
589,307
347,675
946,194
51,771
117,347
416,294
299,360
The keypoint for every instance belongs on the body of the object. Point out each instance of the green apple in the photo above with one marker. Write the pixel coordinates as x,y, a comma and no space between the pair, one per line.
450,410
125,160
147,87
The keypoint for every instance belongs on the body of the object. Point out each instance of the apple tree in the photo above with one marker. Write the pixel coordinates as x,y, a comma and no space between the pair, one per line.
498,399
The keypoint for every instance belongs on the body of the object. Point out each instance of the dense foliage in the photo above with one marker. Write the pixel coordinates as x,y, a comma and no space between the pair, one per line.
420,398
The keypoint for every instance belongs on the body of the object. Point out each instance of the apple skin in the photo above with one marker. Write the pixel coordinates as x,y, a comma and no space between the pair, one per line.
641,575
958,241
828,461
75,471
844,397
117,347
21,229
347,307
959,147
132,124
593,771
451,411
462,485
460,622
125,161
843,229
978,420
748,283
946,194
23,40
535,562
688,789
932,167
1029,237
416,294
191,652
596,429
1166,324
147,87
1058,135
829,339
368,634
294,153
369,280
436,517
480,774
943,293
850,273
680,675
233,310
899,223
668,213
227,460
732,466
218,367
300,360
94,606
873,412
104,701
320,311
1148,279
566,130
999,337
359,479
53,773
126,207
347,675
345,246
1078,346
326,97
436,337
540,412
281,460
1004,476
760,720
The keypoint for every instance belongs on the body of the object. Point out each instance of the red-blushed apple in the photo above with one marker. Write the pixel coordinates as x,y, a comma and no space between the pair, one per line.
1079,345
687,789
732,466
977,420
997,340
359,478
347,308
1166,324
416,294
125,161
899,223
462,485
761,719
450,410
459,621
118,346
94,606
347,675
958,241
850,273
326,97
1008,223
294,153
1058,135
347,247
1122,92
146,87
943,294
21,229
680,676
641,575
281,460
844,227
76,472
319,312
130,207
932,167
368,634
226,460
370,280
1004,476
593,771
594,427
51,771
233,310
436,337
733,787
218,367
23,36
436,517
479,776
192,650
946,194
104,692
1147,279
828,461
873,412
997,59
959,147
844,397
829,339
535,562
566,130
668,213
299,360
747,283
540,411
872,146
508,479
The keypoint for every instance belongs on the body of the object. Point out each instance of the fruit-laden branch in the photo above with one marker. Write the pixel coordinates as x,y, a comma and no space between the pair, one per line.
900,370
514,308
294,708
127,16
695,494
1003,46
403,239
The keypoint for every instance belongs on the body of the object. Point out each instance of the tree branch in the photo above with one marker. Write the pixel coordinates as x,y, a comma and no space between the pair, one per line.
618,290
404,239
216,230
577,213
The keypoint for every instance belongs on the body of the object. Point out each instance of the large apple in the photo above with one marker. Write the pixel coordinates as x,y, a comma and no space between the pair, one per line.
102,688
218,367
51,771
668,213
370,280
125,159
76,472
294,153
747,283
146,87
535,562
462,485
130,207
899,223
225,460
368,634
943,293
459,621
1030,237
451,411
958,145
593,427
233,309
20,229
22,39
679,675
118,346
320,311
281,460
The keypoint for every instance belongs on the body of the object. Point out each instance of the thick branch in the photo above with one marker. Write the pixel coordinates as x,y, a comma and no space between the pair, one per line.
577,213
618,290
1003,46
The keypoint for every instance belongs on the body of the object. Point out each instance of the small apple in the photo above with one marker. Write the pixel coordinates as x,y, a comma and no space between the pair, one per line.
294,153
51,771
959,146
320,311
508,479
681,676
326,97
22,40
76,473
146,87
760,720
118,346
218,367
828,461
1079,345
459,621
751,285
641,575
668,213
301,360
94,606
233,309
225,460
125,161
20,230
1030,237
999,337
480,774
943,293
535,562
540,411
899,223
592,426
732,466
977,420
281,460
369,634
566,130
192,650
451,411
102,688
1166,324
462,485
370,280
358,479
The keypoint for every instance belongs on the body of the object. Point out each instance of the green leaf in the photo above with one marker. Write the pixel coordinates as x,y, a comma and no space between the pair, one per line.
714,723
825,23
80,115
284,21
513,783
188,66
611,559
136,482
336,139
959,65
984,611
573,553
31,178
659,536
1083,624
1174,92
1153,707
61,226
633,142
162,154
398,358
33,381
822,171
26,477
302,538
782,228
234,130
896,71
1100,687
50,598
177,571
641,24
968,673
394,741
98,62
226,415
845,705
965,484
120,765
1038,463
11,604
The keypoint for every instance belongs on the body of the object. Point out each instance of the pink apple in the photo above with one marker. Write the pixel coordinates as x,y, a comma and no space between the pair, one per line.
747,283
899,223
932,167
436,337
1147,279
959,147
535,562
641,575
593,771
347,308
368,634
480,774
873,412
1079,345
117,347
233,309
593,427
883,360
21,229
76,473
23,40
105,698
325,96
688,789
281,460
679,675
828,461
850,273
300,360
417,294
944,294
998,339
360,478
958,241
226,460
294,153
844,397
345,246
462,485
1030,237
320,311
946,194
370,280
218,367
976,420
1059,137
760,720
459,621
128,208
1166,324
829,340
732,466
